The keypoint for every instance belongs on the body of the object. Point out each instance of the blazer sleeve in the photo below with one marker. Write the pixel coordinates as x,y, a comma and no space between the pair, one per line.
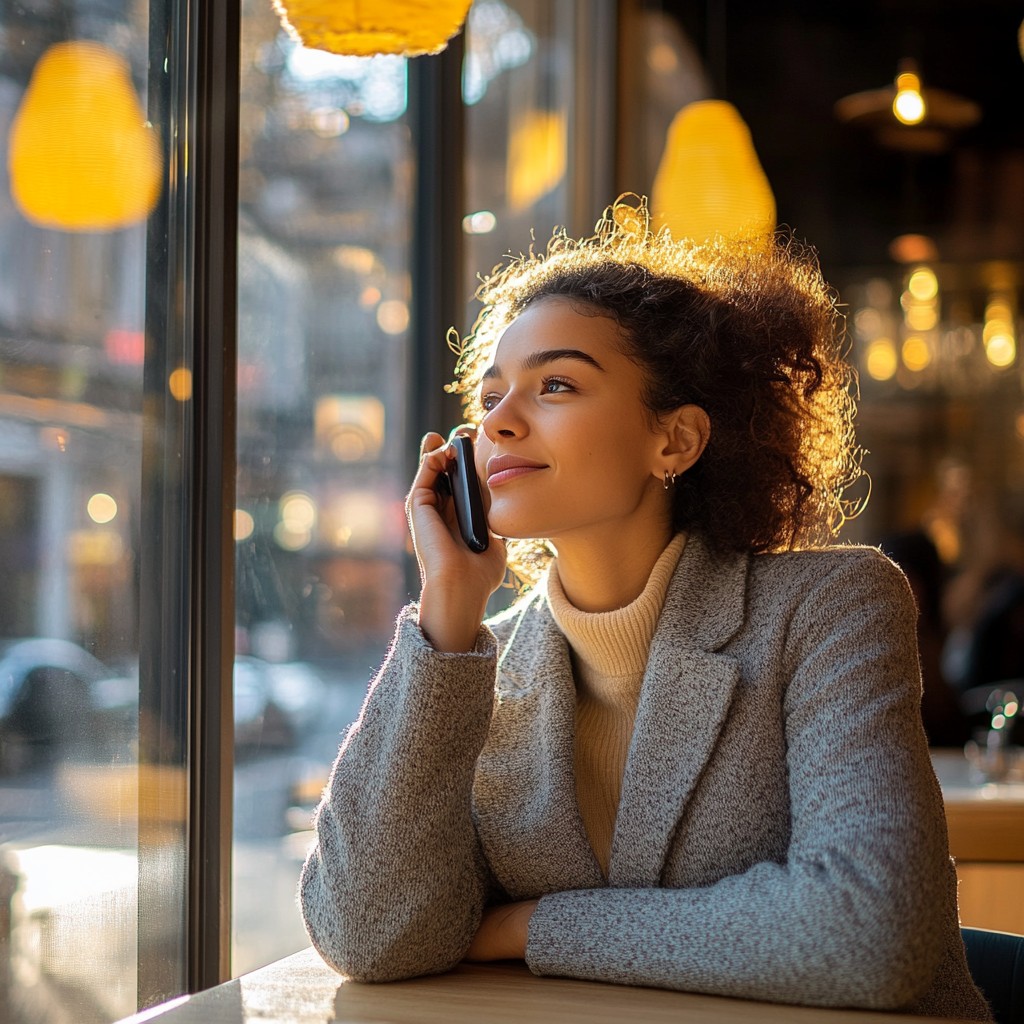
395,883
854,915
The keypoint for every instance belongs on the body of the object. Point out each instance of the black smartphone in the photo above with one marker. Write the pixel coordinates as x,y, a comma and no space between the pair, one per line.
461,482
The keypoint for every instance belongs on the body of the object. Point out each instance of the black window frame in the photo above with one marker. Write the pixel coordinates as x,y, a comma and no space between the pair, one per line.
186,648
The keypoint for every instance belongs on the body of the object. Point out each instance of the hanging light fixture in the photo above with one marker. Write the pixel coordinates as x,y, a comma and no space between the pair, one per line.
364,28
907,115
81,155
710,181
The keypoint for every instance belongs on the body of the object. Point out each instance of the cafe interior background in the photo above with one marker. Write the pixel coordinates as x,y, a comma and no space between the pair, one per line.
228,263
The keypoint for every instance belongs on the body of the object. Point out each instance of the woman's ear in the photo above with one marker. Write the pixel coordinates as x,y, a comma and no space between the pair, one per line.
687,430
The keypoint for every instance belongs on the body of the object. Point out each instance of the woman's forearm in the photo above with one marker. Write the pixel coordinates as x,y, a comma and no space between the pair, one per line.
396,882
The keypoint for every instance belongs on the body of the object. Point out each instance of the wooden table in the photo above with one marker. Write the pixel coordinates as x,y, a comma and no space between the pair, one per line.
301,989
985,819
986,838
986,824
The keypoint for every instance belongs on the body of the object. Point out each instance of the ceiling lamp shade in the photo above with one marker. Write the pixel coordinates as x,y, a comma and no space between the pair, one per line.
81,156
365,28
709,181
907,115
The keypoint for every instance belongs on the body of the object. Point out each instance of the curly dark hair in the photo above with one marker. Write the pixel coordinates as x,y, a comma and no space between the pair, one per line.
746,330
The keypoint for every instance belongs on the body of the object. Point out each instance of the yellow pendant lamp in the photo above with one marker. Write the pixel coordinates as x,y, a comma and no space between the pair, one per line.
364,28
710,181
81,156
536,162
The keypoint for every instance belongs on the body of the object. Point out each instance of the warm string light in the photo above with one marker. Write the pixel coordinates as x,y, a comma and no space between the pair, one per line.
914,344
998,334
920,303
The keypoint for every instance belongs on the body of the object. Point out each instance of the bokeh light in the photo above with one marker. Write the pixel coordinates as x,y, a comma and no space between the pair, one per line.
923,284
916,354
244,524
908,106
101,508
1001,350
482,222
180,384
393,316
881,360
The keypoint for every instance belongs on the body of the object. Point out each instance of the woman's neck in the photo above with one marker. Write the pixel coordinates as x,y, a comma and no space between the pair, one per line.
600,574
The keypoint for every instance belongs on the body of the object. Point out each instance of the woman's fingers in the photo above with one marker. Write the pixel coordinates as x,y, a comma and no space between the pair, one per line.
433,459
456,582
432,519
426,510
431,441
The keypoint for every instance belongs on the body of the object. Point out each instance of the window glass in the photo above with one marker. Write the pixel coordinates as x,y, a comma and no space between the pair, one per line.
79,172
323,312
539,106
540,110
327,175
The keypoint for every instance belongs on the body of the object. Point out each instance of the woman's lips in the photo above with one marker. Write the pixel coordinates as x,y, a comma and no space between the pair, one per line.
501,468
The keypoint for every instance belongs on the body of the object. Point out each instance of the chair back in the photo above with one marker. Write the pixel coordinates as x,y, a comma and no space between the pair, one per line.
996,960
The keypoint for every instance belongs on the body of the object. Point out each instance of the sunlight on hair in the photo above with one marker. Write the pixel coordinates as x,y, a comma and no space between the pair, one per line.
813,388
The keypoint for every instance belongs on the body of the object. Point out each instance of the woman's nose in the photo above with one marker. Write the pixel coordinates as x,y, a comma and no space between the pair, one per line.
503,421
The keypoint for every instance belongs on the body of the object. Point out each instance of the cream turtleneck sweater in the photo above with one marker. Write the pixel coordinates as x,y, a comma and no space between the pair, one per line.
609,656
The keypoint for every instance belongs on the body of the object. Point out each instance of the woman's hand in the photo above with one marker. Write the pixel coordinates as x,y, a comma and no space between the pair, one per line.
456,582
502,932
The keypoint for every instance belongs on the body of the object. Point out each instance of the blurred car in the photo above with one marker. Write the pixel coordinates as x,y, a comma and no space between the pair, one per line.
47,709
58,701
275,703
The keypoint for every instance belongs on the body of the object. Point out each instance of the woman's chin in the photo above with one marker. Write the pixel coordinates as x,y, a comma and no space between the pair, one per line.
510,530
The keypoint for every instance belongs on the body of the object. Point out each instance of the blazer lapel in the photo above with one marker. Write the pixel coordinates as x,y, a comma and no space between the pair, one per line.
524,793
685,699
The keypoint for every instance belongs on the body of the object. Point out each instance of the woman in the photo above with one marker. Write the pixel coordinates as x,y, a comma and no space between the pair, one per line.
691,756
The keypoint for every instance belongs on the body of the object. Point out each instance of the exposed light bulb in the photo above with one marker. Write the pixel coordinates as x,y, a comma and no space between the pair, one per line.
908,106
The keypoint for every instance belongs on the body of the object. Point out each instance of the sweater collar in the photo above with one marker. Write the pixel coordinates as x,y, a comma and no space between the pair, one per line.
615,643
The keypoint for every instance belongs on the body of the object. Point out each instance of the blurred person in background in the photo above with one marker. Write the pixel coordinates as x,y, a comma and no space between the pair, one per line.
915,553
984,596
985,650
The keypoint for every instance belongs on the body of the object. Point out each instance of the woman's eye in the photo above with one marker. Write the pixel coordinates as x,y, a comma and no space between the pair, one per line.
488,402
554,386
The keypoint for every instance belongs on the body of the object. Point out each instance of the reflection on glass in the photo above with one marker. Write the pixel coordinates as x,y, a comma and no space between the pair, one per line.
539,110
82,156
326,176
324,305
71,361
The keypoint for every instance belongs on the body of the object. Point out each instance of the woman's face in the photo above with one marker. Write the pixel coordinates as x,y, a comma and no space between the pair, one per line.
567,448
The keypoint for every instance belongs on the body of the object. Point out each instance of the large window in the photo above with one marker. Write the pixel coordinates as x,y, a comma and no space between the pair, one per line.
209,404
327,174
82,393
116,374
337,156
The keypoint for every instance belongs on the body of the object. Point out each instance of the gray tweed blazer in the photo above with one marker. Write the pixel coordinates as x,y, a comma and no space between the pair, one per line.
780,834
